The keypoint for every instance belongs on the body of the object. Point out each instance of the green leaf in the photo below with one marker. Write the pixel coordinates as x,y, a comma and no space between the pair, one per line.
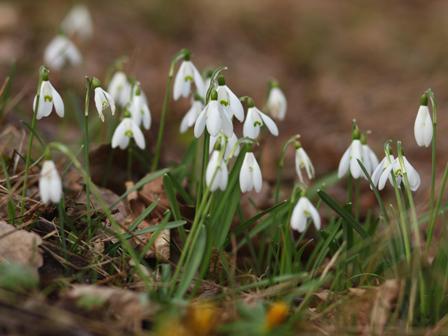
192,265
345,215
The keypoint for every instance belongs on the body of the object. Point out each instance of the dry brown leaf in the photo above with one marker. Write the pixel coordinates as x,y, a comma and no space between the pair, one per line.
385,296
138,201
127,307
20,246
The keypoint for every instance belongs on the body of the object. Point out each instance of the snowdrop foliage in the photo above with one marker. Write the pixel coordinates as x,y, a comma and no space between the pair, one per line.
50,185
216,175
254,120
190,117
103,102
423,126
120,88
250,174
139,109
126,130
48,98
186,75
276,104
214,117
302,211
61,51
78,22
303,161
230,102
399,168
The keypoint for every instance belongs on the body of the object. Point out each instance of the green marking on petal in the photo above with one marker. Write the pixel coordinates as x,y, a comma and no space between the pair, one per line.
188,78
129,134
48,98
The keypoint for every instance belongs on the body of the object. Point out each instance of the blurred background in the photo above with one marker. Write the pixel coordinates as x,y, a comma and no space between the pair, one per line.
335,60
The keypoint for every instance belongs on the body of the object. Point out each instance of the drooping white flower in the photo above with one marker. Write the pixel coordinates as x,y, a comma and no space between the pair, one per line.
423,127
230,102
302,211
250,174
216,175
139,109
349,161
229,143
78,22
190,117
385,162
399,169
276,104
120,88
50,185
186,75
215,118
61,51
369,159
303,162
254,120
103,102
48,98
126,130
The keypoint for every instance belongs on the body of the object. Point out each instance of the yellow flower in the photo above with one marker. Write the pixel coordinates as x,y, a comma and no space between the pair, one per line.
276,315
201,318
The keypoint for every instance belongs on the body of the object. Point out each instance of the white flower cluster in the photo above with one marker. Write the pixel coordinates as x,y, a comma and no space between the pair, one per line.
62,50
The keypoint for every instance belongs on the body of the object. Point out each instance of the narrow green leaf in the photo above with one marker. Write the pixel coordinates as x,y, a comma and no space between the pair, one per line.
346,216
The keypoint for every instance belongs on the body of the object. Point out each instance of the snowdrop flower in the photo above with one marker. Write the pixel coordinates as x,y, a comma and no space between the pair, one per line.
120,88
216,175
103,100
381,167
61,51
126,130
230,102
276,104
50,185
254,120
423,124
186,75
229,143
78,22
303,162
250,174
214,117
139,109
302,211
47,99
349,161
399,168
190,117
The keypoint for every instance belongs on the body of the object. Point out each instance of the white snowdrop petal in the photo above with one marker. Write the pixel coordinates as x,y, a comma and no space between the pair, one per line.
57,101
355,155
270,124
385,175
138,136
200,123
235,105
344,164
213,122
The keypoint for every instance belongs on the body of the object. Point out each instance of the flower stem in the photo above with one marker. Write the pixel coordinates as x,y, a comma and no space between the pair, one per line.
61,210
431,97
43,72
179,55
86,156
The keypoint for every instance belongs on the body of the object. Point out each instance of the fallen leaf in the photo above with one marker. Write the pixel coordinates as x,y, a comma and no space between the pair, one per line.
20,247
138,202
385,296
128,308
